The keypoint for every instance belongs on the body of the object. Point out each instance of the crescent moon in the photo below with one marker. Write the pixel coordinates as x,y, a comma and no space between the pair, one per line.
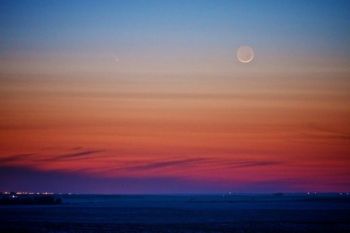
245,54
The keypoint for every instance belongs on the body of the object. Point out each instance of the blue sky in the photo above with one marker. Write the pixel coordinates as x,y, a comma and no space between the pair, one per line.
285,26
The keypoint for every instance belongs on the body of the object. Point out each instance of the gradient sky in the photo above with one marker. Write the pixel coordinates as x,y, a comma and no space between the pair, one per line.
148,96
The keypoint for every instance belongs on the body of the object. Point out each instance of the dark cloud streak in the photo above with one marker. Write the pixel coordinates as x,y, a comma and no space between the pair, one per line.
14,158
253,163
200,162
166,164
76,155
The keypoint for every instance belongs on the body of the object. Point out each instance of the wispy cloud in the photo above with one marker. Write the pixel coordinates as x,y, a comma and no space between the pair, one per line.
187,95
198,163
14,157
253,163
324,133
165,164
76,155
42,157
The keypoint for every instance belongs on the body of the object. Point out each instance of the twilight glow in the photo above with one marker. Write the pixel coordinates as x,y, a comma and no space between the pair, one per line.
149,96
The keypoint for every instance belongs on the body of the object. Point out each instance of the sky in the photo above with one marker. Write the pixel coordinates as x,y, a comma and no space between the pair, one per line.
149,96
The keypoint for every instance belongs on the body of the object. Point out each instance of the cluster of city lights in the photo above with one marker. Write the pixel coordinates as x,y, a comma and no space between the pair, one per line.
27,193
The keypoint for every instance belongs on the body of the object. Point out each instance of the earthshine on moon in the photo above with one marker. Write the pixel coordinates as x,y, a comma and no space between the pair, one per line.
245,54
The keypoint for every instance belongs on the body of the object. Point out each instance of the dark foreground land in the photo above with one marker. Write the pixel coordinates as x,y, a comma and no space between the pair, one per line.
300,213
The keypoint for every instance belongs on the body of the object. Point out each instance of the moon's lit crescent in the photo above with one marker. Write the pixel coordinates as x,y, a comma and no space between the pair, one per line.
245,54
